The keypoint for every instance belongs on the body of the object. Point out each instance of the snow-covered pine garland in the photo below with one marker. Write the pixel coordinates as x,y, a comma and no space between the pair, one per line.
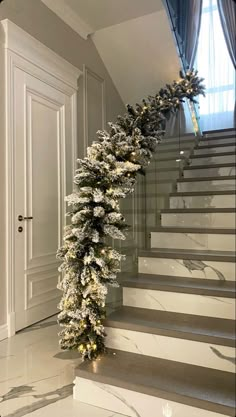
106,175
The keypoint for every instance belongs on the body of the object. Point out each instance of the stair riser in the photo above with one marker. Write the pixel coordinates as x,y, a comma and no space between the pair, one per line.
200,305
176,146
171,348
211,185
208,241
216,150
188,268
213,142
217,201
171,154
171,163
158,202
226,220
217,159
158,188
132,403
152,175
210,172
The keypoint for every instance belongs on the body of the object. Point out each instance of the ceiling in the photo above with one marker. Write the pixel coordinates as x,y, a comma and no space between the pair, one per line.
133,38
99,14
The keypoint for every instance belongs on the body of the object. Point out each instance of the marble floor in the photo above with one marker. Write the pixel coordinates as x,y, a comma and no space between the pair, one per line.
36,378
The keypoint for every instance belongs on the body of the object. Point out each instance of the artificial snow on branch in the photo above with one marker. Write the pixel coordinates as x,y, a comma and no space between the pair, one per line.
106,175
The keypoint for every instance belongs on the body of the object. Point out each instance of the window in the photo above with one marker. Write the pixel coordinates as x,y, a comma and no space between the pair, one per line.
214,64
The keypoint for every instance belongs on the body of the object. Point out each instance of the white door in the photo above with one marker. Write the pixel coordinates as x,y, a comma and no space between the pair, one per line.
42,177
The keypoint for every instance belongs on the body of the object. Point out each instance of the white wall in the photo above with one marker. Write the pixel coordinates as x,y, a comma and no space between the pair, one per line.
140,55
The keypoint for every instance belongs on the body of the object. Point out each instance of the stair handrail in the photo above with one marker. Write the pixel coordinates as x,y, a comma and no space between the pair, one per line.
107,174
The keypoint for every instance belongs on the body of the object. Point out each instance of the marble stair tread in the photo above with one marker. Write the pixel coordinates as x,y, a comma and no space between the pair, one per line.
205,388
185,326
196,179
199,210
199,193
206,166
203,255
197,286
203,230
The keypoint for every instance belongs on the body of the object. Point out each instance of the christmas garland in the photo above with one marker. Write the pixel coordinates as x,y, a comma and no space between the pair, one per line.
106,175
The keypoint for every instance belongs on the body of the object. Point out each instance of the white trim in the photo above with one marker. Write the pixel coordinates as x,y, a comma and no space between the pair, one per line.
3,331
65,12
23,51
37,53
86,72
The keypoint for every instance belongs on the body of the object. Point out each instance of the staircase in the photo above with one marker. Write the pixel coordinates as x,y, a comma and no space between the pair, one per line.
172,342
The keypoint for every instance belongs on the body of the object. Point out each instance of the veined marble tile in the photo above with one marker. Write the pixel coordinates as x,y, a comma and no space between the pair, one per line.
180,302
216,159
210,185
208,241
225,220
131,403
210,172
216,150
188,268
71,408
203,201
171,348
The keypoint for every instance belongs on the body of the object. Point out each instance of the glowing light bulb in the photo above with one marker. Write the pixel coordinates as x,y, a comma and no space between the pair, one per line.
81,348
88,346
94,346
103,251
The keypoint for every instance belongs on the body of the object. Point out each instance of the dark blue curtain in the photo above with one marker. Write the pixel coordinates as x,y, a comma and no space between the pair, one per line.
187,18
227,11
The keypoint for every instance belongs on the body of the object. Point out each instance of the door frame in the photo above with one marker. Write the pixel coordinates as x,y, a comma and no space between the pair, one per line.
21,50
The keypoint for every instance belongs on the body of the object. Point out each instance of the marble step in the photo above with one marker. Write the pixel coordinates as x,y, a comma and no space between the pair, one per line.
165,154
176,139
214,140
206,184
176,144
209,170
210,217
155,186
144,291
203,199
173,336
152,174
220,132
188,263
210,158
193,238
135,386
171,162
215,149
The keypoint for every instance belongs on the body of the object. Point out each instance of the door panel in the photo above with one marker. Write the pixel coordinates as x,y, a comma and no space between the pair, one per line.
43,160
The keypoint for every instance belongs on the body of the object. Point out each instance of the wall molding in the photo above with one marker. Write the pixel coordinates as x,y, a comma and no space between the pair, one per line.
65,12
87,72
22,51
3,331
17,40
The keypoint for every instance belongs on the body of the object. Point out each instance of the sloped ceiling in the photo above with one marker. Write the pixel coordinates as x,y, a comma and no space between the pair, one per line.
133,38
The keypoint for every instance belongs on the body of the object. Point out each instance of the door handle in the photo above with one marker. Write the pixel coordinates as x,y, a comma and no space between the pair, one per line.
21,218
